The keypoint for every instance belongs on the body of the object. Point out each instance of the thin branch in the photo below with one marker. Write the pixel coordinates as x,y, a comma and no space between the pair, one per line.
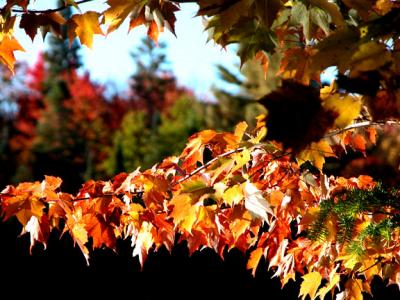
378,260
76,199
359,125
191,174
38,11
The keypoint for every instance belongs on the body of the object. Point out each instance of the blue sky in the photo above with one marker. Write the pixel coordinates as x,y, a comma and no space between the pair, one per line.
191,58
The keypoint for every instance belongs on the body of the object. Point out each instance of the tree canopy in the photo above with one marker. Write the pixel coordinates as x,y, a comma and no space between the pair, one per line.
268,188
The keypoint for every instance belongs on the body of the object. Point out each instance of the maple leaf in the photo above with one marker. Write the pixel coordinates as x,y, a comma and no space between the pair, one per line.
77,229
369,56
353,290
119,10
143,241
310,284
347,107
101,231
184,211
31,22
7,47
154,14
21,3
254,260
233,195
316,154
239,221
330,285
255,203
84,26
305,119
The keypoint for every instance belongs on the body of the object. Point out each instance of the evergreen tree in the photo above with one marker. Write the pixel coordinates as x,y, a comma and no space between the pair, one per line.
60,56
153,88
131,144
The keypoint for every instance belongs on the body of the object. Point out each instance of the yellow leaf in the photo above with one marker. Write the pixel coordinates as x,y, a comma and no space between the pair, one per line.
77,230
184,213
240,129
7,47
348,108
233,195
84,26
310,284
240,159
328,287
316,153
370,56
351,261
119,10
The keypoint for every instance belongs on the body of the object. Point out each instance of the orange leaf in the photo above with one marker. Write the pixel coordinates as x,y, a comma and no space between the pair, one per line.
7,47
184,212
359,143
254,260
100,230
84,26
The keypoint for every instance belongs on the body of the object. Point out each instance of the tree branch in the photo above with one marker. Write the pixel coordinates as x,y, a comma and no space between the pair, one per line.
38,11
378,260
359,125
191,174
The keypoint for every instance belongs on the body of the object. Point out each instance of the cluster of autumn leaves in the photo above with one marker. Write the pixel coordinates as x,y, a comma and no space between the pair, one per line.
222,202
224,187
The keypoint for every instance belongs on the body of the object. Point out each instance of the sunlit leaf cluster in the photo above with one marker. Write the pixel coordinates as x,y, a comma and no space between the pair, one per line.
249,189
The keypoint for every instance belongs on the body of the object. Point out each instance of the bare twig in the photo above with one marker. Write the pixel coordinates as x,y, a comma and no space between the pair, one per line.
378,260
359,125
75,199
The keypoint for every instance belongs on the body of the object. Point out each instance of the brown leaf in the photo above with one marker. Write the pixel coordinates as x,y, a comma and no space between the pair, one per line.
295,115
31,22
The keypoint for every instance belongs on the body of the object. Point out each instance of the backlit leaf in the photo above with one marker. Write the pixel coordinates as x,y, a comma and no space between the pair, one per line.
84,26
7,47
310,284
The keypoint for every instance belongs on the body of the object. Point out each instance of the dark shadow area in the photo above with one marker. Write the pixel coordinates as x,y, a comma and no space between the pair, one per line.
61,271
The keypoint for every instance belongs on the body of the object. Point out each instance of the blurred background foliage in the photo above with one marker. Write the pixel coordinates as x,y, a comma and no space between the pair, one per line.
55,120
